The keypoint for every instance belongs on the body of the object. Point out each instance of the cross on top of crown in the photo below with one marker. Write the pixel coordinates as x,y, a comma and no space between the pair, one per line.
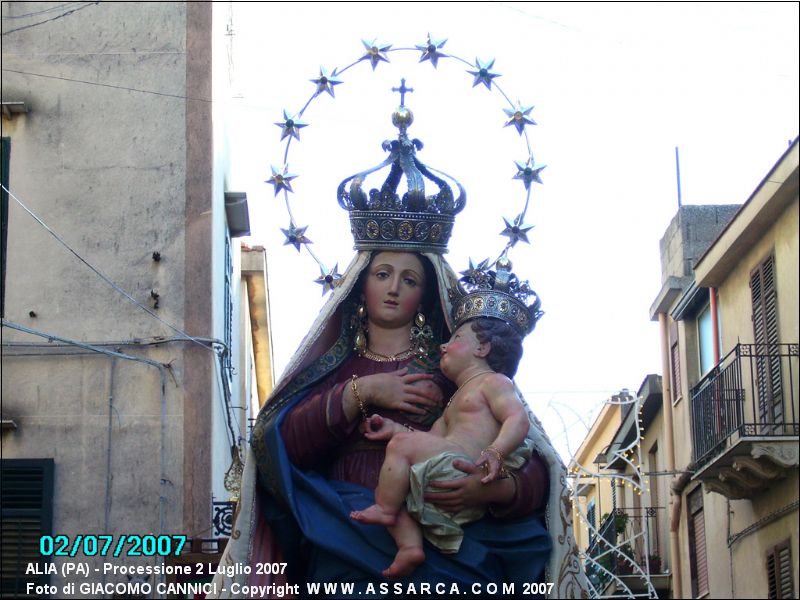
402,89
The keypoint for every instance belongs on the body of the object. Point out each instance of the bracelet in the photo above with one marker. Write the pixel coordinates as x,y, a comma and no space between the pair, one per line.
496,452
356,395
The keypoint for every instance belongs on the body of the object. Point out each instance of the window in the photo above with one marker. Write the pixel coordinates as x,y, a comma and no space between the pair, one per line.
765,335
705,338
779,571
675,362
591,519
26,514
676,372
4,164
698,561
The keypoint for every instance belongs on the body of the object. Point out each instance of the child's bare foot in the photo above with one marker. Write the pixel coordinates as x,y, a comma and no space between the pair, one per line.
405,561
374,515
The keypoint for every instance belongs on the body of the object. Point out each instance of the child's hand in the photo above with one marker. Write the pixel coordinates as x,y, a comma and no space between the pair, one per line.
491,464
378,428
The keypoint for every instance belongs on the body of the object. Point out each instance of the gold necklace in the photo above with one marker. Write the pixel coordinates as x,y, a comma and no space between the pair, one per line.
370,355
453,397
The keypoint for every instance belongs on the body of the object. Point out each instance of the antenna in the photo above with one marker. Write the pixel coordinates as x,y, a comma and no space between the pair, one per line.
678,175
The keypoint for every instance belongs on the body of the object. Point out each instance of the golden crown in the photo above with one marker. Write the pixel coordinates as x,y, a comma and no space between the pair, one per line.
496,294
382,218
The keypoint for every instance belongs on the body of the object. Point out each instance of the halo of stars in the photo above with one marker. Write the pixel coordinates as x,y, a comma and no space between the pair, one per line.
376,52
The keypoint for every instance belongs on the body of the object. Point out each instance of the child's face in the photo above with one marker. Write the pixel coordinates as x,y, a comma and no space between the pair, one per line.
461,351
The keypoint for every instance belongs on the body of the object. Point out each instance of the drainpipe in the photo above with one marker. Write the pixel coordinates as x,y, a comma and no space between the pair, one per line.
712,301
712,296
669,443
111,409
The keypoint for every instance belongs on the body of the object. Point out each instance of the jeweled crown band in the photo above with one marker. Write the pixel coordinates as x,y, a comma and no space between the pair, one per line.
494,305
421,232
497,294
383,218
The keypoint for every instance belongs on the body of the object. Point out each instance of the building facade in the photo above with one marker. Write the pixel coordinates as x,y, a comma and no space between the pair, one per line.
620,517
729,334
135,330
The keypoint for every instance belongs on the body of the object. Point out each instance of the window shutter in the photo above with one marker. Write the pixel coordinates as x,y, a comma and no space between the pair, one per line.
779,571
5,153
785,570
26,497
701,557
766,337
772,576
698,557
771,327
676,372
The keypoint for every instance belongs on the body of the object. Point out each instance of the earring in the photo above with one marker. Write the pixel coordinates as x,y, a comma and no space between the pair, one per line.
421,335
360,325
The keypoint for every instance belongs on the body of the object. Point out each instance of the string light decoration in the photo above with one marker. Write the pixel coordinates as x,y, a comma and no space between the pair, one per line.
375,53
603,558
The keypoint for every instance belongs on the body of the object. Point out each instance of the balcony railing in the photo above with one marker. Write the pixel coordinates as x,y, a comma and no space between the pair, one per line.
751,392
636,532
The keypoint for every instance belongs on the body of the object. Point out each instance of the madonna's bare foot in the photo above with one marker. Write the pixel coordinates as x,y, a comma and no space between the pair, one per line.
405,561
374,515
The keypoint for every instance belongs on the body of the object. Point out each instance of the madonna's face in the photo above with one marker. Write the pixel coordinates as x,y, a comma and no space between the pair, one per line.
393,288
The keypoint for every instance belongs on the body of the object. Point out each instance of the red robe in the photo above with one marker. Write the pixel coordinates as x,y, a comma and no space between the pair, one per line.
318,436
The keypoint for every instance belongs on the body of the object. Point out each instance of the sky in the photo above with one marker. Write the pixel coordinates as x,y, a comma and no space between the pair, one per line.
615,88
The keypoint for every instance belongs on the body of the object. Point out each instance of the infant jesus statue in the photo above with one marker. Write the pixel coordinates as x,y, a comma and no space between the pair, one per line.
484,422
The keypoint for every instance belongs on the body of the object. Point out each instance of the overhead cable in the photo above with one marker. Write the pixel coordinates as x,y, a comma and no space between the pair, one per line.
41,12
61,16
225,397
108,85
104,277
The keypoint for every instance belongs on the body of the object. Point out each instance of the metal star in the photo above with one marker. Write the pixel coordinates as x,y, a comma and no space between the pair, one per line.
528,171
476,274
281,179
483,74
430,50
375,52
291,125
296,236
328,280
518,117
516,231
326,81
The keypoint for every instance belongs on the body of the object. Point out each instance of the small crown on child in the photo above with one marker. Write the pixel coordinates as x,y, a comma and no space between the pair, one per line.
497,294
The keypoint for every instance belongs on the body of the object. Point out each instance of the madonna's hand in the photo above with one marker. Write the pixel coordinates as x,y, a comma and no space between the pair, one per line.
468,491
401,390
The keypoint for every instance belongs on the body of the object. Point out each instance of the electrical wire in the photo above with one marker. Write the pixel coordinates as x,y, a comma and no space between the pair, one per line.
61,16
219,374
84,345
41,12
136,342
104,277
766,520
107,85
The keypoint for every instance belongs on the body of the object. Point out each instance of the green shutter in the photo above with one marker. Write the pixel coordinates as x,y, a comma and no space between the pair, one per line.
5,154
26,514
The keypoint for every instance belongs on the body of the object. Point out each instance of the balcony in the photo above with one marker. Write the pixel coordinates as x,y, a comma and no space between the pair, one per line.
744,420
624,553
